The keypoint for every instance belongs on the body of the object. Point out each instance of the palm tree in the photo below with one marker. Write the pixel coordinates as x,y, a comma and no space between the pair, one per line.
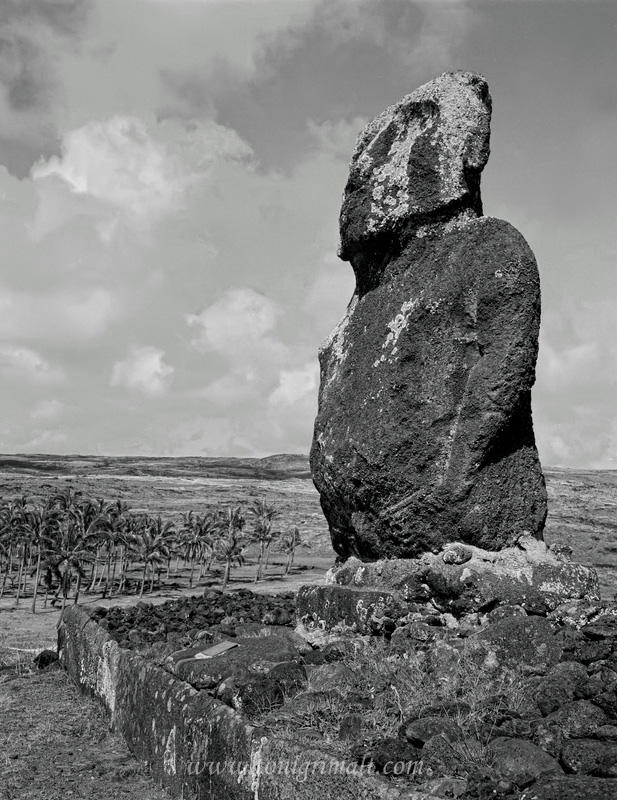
264,513
154,541
6,544
208,534
19,537
230,544
134,526
39,523
111,520
190,541
67,549
289,543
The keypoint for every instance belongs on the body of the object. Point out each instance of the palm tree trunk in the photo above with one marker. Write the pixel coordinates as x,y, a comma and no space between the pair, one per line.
124,571
113,578
19,573
259,562
143,580
6,575
36,580
267,558
191,572
27,564
93,573
106,564
48,581
63,603
111,552
226,573
77,588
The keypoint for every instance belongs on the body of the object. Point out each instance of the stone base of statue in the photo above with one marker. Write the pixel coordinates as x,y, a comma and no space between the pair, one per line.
441,588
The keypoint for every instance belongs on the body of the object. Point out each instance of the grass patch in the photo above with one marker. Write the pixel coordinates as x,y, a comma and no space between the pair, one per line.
388,688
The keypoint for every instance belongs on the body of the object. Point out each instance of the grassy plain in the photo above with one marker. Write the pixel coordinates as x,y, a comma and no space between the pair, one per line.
55,743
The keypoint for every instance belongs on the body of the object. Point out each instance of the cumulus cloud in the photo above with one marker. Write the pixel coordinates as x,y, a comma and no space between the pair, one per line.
270,384
21,362
143,371
69,315
237,322
295,385
120,173
239,328
130,177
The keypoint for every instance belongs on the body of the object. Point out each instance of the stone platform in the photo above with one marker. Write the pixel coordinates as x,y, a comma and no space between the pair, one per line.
195,745
458,581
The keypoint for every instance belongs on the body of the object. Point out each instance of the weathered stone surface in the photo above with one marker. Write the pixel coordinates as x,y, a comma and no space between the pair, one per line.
522,762
360,610
442,787
402,576
572,788
419,731
549,738
424,432
528,575
590,757
193,744
420,156
578,720
520,641
206,673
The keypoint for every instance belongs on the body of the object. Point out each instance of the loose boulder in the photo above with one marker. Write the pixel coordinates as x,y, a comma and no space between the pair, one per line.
424,432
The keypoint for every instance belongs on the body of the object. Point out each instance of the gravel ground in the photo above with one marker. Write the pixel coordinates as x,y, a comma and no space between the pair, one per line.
55,744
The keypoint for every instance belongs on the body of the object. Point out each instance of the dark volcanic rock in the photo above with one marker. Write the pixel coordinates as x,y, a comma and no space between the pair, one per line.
522,762
45,659
590,757
523,640
424,430
573,788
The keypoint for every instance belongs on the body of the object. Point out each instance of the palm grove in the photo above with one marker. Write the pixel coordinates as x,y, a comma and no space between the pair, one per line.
69,543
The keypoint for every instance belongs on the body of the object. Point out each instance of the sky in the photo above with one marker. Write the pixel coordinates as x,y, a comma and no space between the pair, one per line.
171,173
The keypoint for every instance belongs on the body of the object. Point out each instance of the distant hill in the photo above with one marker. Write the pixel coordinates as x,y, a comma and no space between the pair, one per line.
277,467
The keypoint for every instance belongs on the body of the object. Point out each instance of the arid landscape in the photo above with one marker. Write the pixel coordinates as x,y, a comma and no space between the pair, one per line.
55,743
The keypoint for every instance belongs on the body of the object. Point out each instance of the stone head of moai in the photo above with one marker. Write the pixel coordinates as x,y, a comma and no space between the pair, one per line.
424,432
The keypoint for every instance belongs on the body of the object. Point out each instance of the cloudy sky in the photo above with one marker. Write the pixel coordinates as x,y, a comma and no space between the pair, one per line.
170,181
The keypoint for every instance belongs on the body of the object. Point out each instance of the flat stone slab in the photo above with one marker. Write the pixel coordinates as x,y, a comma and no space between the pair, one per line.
348,608
205,668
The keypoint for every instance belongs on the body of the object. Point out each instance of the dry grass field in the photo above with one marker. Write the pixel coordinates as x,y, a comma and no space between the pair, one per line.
54,743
